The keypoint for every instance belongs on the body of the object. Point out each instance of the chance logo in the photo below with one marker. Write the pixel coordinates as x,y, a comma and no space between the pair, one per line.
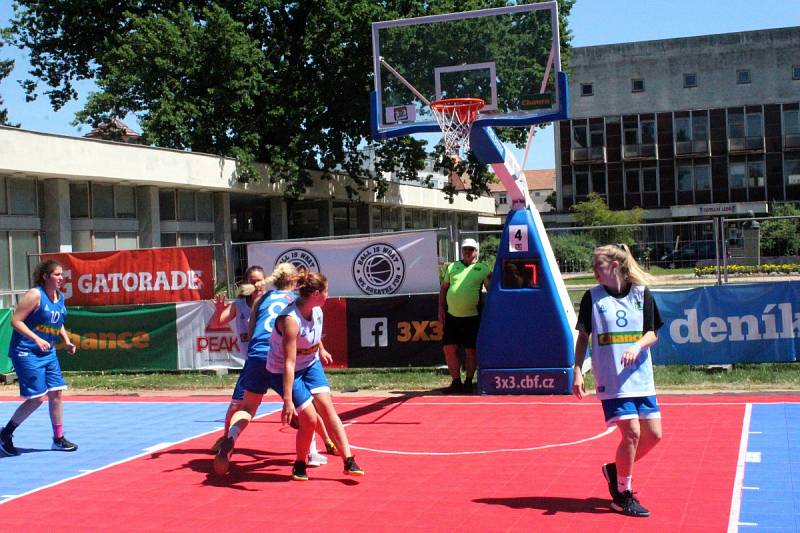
300,258
374,332
379,269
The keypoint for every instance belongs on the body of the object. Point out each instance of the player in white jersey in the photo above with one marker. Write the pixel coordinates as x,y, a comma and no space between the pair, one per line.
296,372
622,318
239,310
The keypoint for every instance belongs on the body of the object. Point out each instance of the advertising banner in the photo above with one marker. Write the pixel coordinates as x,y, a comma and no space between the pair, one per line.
5,338
121,338
381,264
202,341
394,331
155,275
725,324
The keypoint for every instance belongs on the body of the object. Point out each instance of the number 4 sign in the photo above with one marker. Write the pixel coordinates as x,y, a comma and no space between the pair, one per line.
517,238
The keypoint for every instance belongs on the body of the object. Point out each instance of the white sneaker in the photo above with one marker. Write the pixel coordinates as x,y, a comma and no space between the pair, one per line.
317,459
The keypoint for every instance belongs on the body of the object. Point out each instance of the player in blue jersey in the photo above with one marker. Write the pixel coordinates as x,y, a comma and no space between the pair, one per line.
239,310
38,323
296,349
622,318
254,379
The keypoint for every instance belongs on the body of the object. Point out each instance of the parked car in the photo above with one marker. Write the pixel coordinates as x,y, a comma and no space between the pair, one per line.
687,254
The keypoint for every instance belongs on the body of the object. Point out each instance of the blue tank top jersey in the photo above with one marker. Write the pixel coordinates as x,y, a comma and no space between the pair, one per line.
45,321
269,308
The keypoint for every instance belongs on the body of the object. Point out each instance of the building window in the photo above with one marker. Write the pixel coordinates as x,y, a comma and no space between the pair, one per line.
796,72
587,89
186,208
169,240
205,206
792,171
502,199
124,201
21,196
690,80
743,76
755,174
102,201
579,136
791,122
684,178
166,204
79,200
637,85
702,177
632,180
650,179
737,179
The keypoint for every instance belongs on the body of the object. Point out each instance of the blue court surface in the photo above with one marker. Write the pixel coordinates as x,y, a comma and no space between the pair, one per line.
106,433
770,489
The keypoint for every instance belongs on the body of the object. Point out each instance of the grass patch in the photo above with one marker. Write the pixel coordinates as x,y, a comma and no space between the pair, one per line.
744,377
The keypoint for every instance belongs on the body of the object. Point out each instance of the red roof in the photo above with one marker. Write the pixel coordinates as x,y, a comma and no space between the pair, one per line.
538,180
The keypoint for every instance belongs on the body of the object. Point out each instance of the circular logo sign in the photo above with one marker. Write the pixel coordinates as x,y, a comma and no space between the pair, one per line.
379,269
300,258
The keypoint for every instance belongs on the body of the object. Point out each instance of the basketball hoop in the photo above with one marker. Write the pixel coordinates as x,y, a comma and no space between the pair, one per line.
455,117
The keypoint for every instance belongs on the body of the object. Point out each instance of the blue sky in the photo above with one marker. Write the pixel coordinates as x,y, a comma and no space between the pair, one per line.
592,22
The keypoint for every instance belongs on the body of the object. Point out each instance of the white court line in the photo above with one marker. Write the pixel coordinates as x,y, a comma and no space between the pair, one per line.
736,500
121,461
608,431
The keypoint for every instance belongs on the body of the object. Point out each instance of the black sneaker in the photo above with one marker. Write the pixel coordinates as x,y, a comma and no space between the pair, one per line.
455,387
6,443
467,387
610,473
299,471
63,445
351,468
630,506
222,460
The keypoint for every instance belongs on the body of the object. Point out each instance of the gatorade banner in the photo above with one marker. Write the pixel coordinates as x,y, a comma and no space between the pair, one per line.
725,324
153,275
121,338
378,265
5,338
394,331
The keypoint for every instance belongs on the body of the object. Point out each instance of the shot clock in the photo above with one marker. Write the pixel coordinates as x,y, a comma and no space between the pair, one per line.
526,341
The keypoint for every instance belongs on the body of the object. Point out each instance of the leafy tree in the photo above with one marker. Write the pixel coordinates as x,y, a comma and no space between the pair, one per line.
552,200
595,212
265,81
781,237
6,65
5,70
573,251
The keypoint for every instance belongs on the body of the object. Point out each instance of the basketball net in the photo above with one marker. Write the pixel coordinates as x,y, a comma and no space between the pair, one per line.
455,117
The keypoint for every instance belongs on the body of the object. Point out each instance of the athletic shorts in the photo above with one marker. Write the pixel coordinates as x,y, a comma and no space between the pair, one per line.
627,408
37,374
461,330
254,378
307,382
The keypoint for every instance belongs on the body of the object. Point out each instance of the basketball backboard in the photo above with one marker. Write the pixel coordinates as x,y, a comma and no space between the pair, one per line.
509,57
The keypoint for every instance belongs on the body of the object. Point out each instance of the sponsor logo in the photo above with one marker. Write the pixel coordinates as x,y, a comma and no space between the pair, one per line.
116,282
109,340
419,331
300,258
374,332
219,338
379,269
618,337
777,321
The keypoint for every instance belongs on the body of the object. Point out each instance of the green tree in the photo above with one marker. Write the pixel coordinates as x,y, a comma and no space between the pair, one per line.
265,81
595,212
6,65
5,70
781,237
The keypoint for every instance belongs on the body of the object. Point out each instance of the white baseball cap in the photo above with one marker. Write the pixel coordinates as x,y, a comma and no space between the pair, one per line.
470,243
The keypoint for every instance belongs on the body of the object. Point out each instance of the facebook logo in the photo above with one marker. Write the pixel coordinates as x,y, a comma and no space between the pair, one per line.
374,332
